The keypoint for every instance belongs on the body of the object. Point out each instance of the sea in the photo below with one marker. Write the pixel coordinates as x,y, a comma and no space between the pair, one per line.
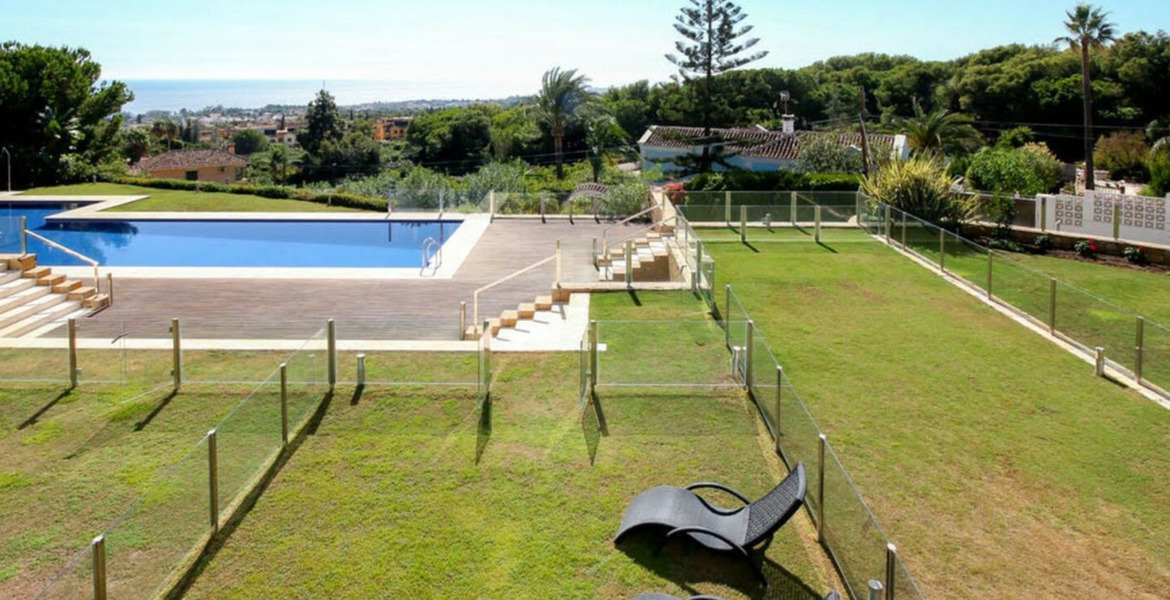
174,95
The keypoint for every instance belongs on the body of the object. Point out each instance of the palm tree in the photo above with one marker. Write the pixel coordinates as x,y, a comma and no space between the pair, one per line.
562,94
1087,29
602,134
940,131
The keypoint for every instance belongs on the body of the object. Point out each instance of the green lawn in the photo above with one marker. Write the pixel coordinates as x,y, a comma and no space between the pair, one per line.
185,201
999,465
72,462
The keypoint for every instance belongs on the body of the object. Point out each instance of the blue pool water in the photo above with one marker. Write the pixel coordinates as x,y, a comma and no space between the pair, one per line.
382,244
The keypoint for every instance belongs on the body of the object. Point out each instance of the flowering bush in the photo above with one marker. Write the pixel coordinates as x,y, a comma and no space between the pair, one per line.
1136,255
674,191
1086,248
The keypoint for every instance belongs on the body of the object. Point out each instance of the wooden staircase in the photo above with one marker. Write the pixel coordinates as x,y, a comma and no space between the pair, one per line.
32,297
527,310
650,259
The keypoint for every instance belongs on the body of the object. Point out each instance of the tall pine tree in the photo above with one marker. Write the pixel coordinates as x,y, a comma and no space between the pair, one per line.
322,124
710,46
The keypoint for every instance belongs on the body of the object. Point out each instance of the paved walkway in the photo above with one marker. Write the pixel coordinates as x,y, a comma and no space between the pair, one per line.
372,309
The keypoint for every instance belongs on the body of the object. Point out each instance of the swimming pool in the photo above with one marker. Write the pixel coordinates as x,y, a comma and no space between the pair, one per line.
221,243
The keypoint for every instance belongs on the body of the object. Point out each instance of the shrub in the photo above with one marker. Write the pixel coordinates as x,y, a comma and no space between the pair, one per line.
1159,165
1006,170
1123,154
824,154
1136,255
1086,248
918,186
1002,211
1043,243
1044,163
767,181
625,199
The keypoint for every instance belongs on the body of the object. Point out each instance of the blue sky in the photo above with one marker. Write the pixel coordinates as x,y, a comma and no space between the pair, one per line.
503,46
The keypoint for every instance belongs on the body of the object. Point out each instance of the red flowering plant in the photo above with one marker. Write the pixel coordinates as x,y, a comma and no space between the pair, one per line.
1086,248
674,191
1136,255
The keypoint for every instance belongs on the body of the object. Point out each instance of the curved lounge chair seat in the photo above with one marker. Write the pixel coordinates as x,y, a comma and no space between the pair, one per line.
727,530
658,596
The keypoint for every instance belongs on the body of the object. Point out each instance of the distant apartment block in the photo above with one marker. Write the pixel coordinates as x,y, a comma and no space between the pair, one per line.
218,166
391,129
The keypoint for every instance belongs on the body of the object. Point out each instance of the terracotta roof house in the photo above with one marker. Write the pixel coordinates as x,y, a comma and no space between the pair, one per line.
219,166
753,148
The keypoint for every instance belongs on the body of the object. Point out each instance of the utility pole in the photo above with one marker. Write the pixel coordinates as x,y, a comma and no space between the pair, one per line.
864,136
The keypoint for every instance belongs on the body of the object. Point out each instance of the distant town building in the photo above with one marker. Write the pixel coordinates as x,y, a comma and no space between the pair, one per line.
218,166
391,129
753,148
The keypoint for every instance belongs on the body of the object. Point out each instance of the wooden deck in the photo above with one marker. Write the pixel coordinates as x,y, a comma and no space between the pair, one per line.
419,309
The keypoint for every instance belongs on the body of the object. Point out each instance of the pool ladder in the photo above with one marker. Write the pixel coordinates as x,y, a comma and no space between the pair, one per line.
432,256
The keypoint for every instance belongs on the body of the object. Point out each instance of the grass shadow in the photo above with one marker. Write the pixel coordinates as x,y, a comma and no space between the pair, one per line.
634,297
218,539
44,409
683,563
483,431
139,426
593,426
357,395
751,247
822,244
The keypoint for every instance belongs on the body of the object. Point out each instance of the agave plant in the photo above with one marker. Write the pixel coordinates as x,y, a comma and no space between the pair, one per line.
918,186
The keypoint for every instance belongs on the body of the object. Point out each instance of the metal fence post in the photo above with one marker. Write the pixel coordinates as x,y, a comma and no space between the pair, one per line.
743,223
990,258
727,318
779,403
891,569
331,351
213,480
817,223
491,205
1139,349
98,547
176,355
1043,214
72,353
361,369
821,489
543,219
1116,220
1052,306
23,236
903,229
629,262
942,250
462,318
593,331
284,404
559,271
1099,361
876,591
888,221
747,356
792,210
727,207
698,272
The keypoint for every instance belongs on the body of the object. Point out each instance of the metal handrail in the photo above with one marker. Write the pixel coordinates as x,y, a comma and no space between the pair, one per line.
427,244
605,232
475,296
47,241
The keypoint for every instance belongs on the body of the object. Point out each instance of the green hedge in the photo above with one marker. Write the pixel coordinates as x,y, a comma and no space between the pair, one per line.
278,192
767,181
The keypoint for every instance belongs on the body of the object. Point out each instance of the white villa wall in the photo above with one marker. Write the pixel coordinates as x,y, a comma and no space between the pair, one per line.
1140,219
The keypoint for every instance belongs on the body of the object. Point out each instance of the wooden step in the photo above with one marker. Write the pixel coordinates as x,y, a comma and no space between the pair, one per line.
509,318
36,273
527,310
9,276
66,286
50,313
96,301
32,307
471,333
24,294
81,293
23,263
544,303
51,279
561,295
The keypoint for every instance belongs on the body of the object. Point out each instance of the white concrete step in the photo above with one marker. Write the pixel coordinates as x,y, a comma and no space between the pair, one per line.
58,322
51,312
13,286
32,307
27,293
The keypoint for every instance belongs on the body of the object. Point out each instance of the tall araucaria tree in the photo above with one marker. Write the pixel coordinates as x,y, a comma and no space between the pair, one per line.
710,46
562,94
1088,28
322,124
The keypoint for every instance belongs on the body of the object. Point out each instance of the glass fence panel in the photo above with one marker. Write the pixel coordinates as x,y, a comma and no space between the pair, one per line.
704,213
150,541
799,438
1020,286
412,368
764,379
850,529
1093,322
1156,355
246,440
73,582
49,364
696,347
921,238
904,585
966,259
